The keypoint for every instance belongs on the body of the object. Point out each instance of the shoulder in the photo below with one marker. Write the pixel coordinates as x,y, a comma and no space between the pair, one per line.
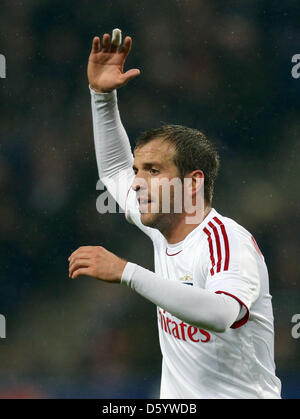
226,242
236,265
228,226
239,234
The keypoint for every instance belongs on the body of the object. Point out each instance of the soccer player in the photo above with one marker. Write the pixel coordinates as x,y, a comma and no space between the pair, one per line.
210,284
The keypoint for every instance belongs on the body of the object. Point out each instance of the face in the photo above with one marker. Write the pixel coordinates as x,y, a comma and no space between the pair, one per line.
153,164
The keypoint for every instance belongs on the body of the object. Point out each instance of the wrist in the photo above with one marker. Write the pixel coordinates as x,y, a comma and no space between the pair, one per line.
120,269
98,90
127,273
103,97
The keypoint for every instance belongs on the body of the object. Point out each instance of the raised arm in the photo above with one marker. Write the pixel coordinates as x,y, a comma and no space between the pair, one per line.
113,153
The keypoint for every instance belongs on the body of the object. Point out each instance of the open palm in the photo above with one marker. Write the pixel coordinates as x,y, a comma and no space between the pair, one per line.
106,65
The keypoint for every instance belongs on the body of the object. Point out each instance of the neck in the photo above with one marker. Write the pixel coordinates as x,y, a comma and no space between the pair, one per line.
177,230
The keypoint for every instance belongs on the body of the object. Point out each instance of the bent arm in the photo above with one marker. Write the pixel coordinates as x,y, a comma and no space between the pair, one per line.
196,306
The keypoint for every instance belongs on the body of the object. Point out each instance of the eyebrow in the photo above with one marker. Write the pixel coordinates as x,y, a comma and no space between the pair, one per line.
148,165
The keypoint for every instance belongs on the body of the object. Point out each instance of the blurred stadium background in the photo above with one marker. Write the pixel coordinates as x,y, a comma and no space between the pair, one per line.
220,66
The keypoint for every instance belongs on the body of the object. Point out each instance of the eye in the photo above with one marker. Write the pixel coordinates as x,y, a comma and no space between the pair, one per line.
154,171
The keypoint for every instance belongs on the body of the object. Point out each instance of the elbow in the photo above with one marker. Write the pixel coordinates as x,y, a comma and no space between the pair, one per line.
220,325
223,324
220,328
216,326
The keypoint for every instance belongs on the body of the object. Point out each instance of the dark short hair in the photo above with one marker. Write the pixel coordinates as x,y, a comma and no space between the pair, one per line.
193,151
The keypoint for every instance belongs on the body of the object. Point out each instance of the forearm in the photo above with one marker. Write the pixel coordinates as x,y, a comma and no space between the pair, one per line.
112,146
196,306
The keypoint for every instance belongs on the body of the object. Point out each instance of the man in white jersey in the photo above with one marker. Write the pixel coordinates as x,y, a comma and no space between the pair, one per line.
210,284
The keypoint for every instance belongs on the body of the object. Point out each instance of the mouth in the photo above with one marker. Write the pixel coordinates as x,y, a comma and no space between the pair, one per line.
144,202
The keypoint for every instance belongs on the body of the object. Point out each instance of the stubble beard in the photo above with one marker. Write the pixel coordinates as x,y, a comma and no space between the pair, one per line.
164,222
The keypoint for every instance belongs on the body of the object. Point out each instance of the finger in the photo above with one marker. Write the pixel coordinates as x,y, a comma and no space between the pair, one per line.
96,44
130,74
126,47
106,42
81,255
85,260
82,271
116,40
85,249
79,263
71,271
114,48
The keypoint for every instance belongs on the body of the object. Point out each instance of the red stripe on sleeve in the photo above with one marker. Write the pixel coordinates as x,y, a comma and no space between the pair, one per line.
226,243
215,230
210,249
256,247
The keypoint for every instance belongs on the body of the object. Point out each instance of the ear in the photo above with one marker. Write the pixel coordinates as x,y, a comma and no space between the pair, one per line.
194,183
197,182
194,201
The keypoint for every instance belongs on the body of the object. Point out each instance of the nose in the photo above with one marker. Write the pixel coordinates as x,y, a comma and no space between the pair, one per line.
139,183
135,184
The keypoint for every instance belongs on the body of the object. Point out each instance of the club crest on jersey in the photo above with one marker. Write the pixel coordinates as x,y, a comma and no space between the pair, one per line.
186,279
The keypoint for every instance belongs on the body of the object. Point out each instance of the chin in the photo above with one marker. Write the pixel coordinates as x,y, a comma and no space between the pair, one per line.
159,221
150,220
147,219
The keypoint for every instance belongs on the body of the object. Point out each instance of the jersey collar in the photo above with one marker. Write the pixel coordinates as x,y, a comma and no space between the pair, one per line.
174,248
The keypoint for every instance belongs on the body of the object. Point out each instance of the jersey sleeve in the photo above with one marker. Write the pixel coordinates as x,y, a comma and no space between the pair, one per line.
114,156
233,266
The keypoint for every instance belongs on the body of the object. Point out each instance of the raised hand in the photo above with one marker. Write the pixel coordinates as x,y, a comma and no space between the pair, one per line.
106,64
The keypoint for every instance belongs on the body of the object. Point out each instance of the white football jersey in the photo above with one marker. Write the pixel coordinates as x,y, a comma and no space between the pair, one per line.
218,255
221,256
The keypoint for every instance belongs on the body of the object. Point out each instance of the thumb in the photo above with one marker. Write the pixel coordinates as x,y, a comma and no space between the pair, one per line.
131,74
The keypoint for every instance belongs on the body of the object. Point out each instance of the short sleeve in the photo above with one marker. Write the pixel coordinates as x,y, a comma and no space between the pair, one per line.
234,265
